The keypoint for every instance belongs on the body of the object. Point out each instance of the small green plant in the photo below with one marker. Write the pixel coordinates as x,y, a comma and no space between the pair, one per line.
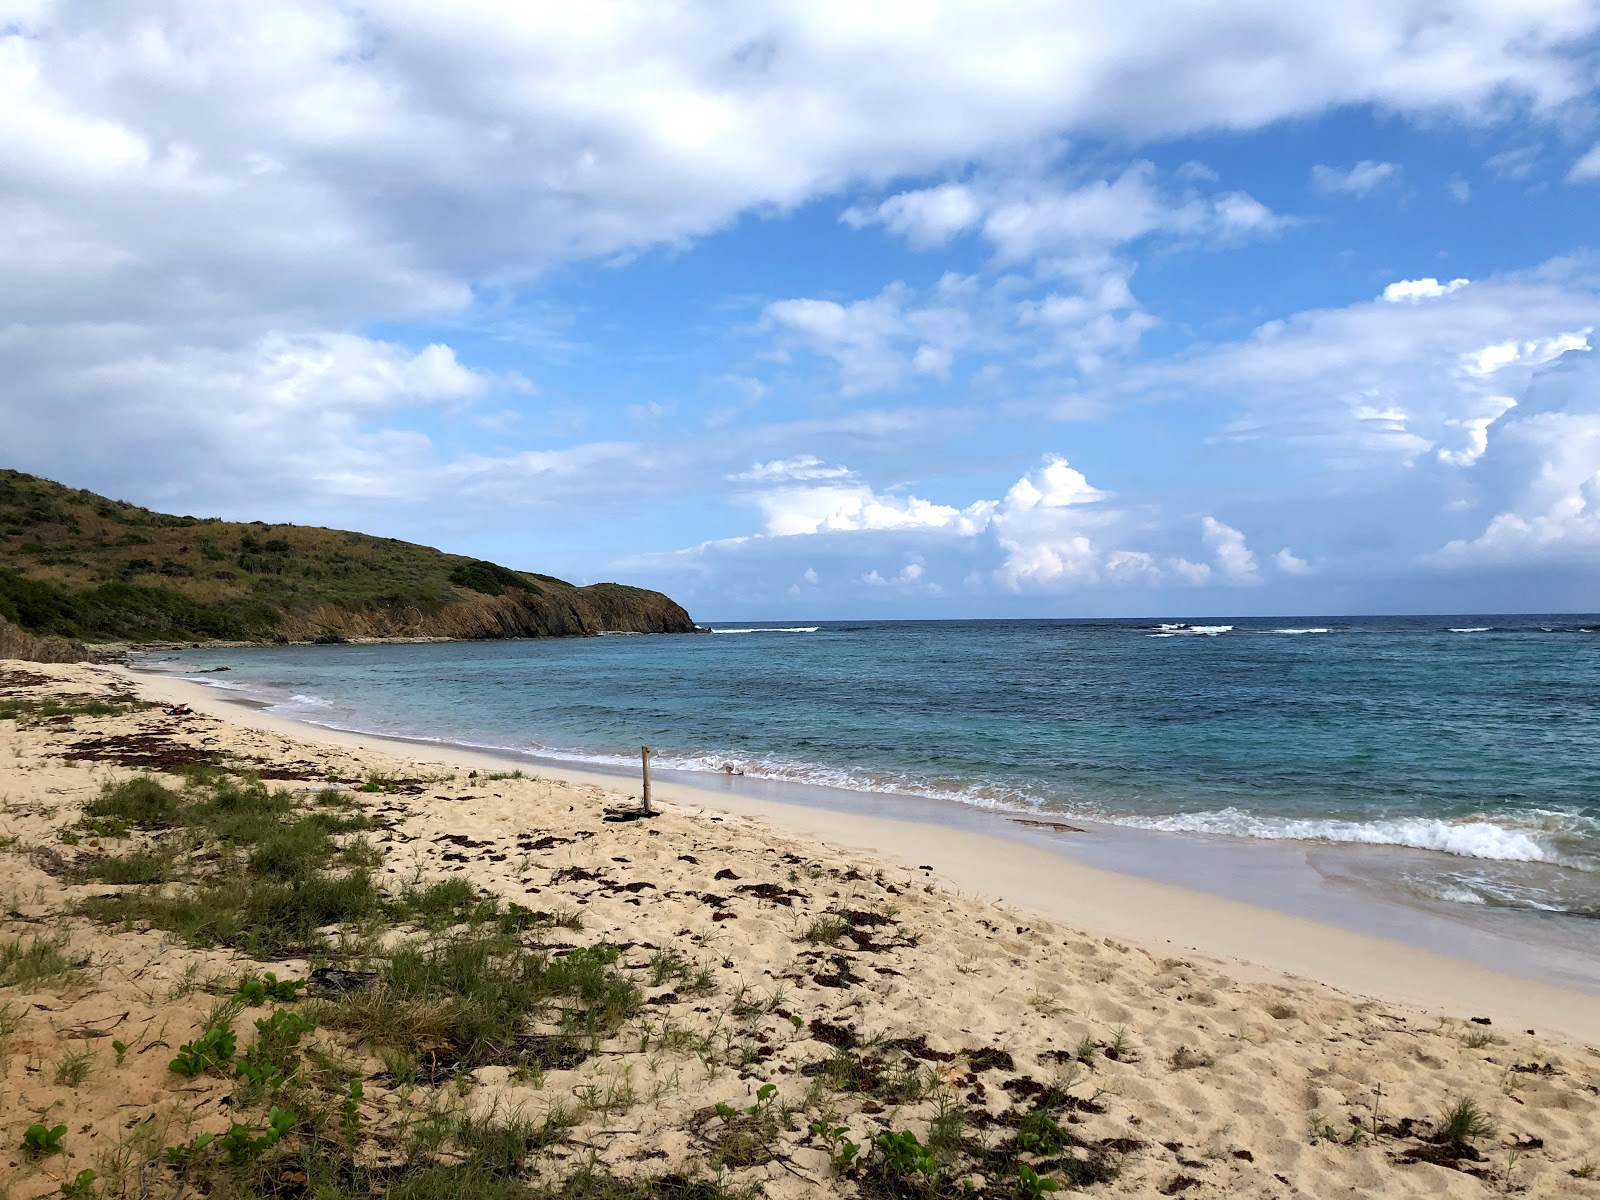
1041,1134
1031,1185
1464,1123
80,1186
903,1157
120,1048
747,1134
1120,1047
184,1154
1088,1050
73,1069
254,991
211,1051
826,930
40,1141
350,1111
842,1152
241,1147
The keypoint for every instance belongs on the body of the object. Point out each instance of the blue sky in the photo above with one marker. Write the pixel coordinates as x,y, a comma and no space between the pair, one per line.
821,310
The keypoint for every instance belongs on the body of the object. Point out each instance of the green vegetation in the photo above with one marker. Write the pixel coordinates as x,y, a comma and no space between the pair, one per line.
16,709
1463,1123
251,868
40,1140
39,961
80,565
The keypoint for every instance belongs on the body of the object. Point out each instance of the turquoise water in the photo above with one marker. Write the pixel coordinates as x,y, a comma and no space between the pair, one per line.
1473,739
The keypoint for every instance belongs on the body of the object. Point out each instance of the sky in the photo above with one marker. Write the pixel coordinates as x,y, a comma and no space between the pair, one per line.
821,309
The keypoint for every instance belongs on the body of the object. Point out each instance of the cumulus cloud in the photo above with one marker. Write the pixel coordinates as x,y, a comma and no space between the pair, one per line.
1290,563
1051,531
1539,473
1355,181
881,342
1234,559
1413,290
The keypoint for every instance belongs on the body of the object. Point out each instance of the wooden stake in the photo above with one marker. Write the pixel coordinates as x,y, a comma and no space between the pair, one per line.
644,760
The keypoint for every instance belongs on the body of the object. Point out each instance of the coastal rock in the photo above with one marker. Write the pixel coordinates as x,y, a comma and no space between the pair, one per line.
20,644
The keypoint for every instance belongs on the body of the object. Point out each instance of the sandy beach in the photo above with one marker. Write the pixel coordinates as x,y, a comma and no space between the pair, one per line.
881,974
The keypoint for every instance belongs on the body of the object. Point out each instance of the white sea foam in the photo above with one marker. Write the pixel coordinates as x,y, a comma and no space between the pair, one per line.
1469,838
1472,629
1192,630
1299,631
311,700
774,629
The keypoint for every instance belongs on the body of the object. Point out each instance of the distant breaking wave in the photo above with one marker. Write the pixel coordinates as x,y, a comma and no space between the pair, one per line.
1299,631
773,629
1471,838
1185,630
1473,629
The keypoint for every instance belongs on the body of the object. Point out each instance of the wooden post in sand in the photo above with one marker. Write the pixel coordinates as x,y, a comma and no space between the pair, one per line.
644,760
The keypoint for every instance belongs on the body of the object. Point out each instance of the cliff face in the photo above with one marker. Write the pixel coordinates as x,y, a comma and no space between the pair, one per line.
574,612
82,566
19,644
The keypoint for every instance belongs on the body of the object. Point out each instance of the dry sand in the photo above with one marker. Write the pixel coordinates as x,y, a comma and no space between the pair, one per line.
1002,959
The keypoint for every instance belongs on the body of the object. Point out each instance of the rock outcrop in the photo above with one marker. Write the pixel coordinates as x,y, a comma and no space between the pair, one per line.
20,644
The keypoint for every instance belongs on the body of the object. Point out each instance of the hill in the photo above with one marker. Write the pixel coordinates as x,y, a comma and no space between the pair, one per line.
79,565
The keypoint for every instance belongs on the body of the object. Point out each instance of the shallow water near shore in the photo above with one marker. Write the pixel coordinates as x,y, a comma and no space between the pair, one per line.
1381,771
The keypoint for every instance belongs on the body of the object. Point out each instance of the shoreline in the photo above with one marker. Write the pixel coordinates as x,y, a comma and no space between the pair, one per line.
708,1003
1257,943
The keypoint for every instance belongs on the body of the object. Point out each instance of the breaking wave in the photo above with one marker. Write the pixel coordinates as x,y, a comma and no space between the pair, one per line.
1475,837
773,629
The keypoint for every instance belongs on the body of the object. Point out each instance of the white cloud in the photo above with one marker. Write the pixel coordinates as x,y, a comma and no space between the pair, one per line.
1539,473
926,218
1290,563
879,343
1586,168
186,181
802,466
1355,181
1529,352
1378,382
1513,165
1233,558
1052,531
1026,216
1412,290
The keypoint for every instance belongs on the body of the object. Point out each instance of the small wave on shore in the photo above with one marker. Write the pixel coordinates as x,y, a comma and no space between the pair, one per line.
1535,838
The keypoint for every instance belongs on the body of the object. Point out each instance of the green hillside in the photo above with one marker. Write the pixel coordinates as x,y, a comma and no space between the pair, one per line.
83,566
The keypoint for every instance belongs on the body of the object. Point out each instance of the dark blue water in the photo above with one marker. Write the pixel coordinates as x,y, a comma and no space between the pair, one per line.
1474,738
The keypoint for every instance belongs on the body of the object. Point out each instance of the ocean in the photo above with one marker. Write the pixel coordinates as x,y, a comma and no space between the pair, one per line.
1467,746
